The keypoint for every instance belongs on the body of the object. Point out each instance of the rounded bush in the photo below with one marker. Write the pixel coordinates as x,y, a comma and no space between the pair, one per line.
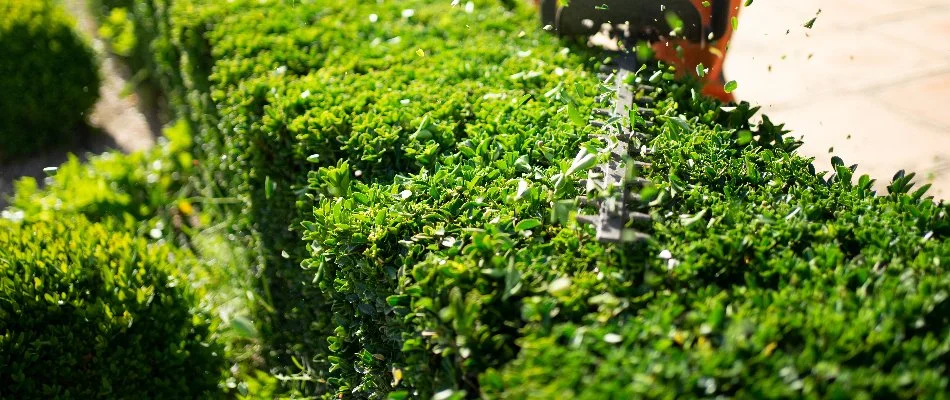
85,313
49,78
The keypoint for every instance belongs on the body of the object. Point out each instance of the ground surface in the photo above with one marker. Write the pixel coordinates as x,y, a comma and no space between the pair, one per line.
877,71
117,121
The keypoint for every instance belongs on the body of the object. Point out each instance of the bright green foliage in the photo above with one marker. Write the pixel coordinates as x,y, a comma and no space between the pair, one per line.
49,77
765,281
134,191
423,156
85,313
119,30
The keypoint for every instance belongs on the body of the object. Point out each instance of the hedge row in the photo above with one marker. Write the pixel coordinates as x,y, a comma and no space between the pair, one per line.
262,72
764,279
422,152
49,77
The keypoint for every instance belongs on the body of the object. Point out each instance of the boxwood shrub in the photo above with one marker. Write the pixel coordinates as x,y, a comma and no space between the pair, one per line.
86,313
763,278
421,151
49,77
281,78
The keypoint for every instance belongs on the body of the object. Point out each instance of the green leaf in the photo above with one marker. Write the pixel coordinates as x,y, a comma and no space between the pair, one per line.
244,327
582,162
522,189
810,23
576,117
745,137
269,187
731,86
527,224
398,395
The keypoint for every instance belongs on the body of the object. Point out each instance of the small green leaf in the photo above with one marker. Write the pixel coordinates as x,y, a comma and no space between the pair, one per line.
687,220
244,327
582,162
398,300
398,395
731,86
269,186
576,117
527,224
745,137
674,21
522,189
810,23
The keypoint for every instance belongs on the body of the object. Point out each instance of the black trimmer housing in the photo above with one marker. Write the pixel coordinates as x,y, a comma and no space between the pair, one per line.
636,19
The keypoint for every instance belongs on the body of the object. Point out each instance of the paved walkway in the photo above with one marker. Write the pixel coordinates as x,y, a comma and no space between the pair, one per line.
117,113
870,80
116,123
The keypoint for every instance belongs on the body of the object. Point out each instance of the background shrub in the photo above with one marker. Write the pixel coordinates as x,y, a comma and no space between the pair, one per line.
150,194
49,78
85,313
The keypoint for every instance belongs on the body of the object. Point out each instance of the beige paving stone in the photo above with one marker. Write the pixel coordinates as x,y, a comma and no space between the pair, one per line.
798,68
881,141
765,21
850,13
932,3
872,69
929,30
926,100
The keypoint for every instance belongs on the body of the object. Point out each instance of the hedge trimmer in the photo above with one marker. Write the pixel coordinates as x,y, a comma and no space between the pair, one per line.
692,26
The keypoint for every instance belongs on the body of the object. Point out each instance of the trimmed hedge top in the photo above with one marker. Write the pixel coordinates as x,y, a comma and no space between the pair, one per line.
424,151
85,313
49,77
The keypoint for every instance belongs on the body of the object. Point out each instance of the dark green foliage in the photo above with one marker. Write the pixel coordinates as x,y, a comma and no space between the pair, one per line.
425,174
49,77
85,313
259,73
151,194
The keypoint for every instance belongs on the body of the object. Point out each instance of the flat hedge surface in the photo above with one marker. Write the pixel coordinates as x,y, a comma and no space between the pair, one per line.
49,77
85,313
424,152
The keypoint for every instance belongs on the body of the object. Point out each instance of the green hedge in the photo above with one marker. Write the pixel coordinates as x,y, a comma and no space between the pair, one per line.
49,77
764,279
259,72
421,151
85,313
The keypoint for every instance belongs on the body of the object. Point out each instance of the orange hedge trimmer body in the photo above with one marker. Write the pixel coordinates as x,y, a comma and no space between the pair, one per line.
685,33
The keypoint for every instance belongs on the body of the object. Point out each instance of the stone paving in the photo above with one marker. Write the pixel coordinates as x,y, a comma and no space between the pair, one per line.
869,82
117,121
